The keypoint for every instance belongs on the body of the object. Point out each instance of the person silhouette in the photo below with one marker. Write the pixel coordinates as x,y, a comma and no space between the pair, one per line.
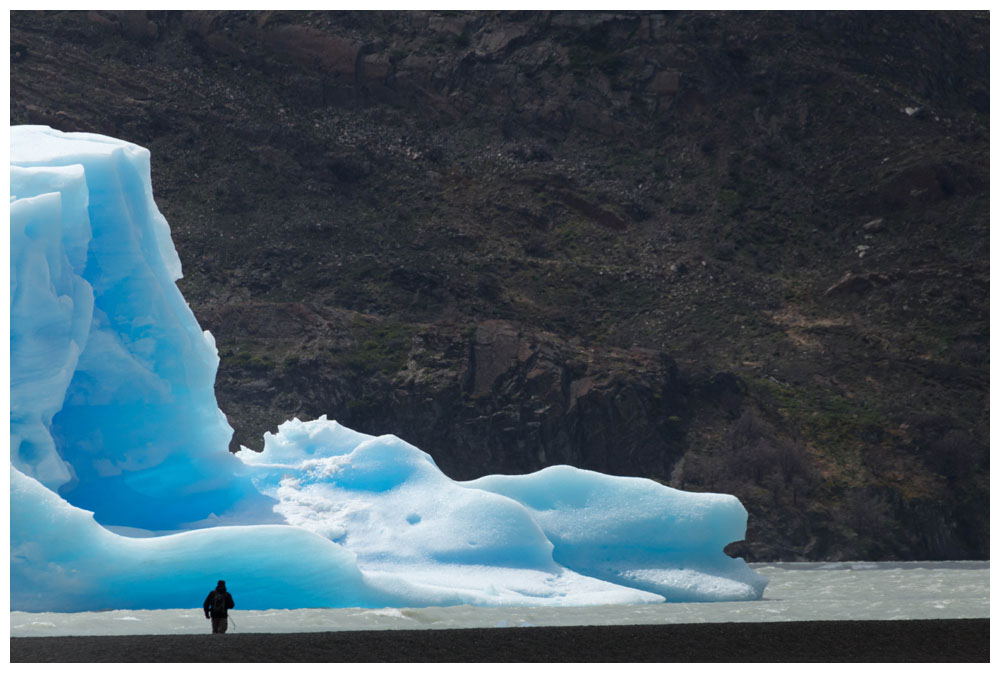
217,606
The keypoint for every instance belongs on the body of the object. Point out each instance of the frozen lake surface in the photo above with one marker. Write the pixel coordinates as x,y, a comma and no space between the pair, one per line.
797,592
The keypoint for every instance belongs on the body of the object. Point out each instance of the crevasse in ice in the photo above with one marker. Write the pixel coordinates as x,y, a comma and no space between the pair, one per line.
123,493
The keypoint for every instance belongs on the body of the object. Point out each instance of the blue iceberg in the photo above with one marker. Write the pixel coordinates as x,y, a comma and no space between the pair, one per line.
124,495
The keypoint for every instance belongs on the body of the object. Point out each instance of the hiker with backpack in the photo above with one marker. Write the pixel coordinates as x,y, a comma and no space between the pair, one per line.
217,607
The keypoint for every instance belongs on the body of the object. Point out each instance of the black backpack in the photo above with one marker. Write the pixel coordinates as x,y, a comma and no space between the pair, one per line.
219,603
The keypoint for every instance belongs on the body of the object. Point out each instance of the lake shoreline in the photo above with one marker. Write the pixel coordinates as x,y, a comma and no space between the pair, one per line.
944,640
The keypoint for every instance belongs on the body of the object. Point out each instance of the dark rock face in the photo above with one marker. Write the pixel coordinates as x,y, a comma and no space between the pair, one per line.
531,400
519,401
737,252
857,284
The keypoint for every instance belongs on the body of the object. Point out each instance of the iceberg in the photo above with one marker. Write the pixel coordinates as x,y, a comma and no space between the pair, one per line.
124,494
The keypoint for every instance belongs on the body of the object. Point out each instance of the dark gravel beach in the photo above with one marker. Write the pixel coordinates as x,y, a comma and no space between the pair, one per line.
953,640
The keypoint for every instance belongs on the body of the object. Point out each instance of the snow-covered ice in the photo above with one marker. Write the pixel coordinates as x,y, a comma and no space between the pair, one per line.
124,496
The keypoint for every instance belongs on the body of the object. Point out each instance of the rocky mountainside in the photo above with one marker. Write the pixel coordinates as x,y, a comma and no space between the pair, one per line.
739,252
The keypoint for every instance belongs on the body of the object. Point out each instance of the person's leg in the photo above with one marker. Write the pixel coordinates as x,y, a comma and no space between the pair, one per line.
223,624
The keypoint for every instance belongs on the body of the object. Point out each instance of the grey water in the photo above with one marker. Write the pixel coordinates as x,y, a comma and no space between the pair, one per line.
796,592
